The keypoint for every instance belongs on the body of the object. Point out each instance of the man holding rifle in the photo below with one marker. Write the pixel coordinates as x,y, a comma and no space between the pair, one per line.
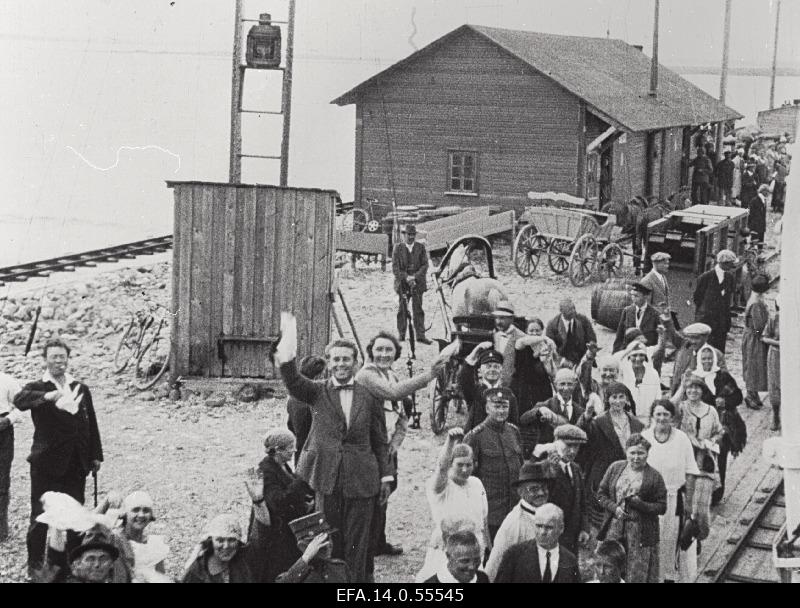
410,268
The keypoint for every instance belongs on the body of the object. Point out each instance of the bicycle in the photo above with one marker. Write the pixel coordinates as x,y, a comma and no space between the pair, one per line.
363,219
145,340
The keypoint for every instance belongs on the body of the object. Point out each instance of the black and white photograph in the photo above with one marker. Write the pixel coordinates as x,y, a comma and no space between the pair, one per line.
428,292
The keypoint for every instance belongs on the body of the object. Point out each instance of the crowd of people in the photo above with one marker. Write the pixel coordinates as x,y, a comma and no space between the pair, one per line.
563,451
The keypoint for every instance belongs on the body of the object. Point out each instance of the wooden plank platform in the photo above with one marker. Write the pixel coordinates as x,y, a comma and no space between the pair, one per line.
367,243
438,240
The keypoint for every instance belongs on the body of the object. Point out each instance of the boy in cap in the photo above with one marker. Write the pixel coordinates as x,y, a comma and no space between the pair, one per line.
316,564
533,487
410,268
713,296
505,338
497,450
639,315
489,363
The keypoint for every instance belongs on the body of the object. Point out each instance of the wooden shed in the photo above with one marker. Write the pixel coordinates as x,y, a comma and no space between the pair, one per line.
484,115
242,254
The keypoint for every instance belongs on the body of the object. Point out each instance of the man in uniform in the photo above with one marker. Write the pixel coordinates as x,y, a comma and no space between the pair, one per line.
696,336
541,560
410,268
639,315
505,338
316,564
497,449
713,296
489,363
533,488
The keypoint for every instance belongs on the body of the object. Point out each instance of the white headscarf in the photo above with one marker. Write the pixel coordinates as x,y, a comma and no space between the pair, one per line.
650,387
707,376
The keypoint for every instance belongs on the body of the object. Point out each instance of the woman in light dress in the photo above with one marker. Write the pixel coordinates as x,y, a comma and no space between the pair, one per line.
455,495
772,338
144,553
641,378
671,455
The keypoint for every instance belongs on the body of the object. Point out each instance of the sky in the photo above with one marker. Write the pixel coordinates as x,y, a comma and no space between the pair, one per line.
104,100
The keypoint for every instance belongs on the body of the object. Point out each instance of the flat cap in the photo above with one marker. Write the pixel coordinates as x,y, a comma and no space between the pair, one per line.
569,433
564,374
640,287
504,309
410,229
726,255
697,329
659,256
490,356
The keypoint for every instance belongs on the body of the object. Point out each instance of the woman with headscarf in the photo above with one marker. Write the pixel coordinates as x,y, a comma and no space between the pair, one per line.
286,497
671,455
754,351
772,338
454,493
607,436
222,556
634,495
721,390
143,554
641,378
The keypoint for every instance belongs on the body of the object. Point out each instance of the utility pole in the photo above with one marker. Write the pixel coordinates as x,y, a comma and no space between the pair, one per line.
723,80
654,63
286,97
774,58
235,170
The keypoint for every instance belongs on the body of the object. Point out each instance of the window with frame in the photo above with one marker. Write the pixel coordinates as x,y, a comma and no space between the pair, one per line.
462,171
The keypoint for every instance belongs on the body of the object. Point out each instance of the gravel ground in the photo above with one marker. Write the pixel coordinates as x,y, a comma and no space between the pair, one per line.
193,458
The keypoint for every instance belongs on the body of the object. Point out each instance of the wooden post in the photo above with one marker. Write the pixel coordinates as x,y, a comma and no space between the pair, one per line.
654,62
774,58
286,96
235,170
723,81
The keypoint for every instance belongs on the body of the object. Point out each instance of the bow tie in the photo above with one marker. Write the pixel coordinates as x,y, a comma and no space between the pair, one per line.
343,387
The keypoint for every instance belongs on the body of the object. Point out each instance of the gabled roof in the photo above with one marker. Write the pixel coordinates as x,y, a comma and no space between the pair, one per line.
611,76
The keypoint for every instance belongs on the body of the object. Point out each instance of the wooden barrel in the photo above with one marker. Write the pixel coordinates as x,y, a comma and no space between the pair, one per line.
608,301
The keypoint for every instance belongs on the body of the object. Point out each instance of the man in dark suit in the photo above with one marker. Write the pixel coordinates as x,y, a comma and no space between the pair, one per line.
410,268
568,491
640,315
345,458
723,173
560,409
541,560
463,560
571,331
702,172
713,296
66,441
757,220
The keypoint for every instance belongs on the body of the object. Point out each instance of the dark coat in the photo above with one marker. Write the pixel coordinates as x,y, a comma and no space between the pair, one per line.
353,458
711,307
480,577
531,384
520,564
405,263
570,496
285,496
627,320
544,432
757,220
648,504
498,457
59,435
583,334
686,358
724,173
299,422
749,188
472,392
703,169
240,568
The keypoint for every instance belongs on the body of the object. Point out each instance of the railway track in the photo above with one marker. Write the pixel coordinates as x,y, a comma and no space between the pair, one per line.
750,561
68,263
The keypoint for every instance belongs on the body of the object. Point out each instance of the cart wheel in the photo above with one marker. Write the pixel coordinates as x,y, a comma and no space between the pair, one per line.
558,255
439,402
355,220
583,260
527,248
126,348
373,226
153,359
610,265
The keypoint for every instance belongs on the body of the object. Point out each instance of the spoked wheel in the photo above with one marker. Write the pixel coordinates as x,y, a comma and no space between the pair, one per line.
373,226
583,260
558,255
153,359
355,220
528,246
126,347
610,264
442,398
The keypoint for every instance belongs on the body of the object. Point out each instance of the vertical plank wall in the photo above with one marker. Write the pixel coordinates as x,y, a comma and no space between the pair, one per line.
241,255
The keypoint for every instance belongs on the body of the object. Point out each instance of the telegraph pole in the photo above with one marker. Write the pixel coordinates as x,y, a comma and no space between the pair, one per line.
654,63
723,80
286,97
235,170
774,58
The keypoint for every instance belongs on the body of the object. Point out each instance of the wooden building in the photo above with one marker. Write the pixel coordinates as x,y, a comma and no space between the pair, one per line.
485,115
241,255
